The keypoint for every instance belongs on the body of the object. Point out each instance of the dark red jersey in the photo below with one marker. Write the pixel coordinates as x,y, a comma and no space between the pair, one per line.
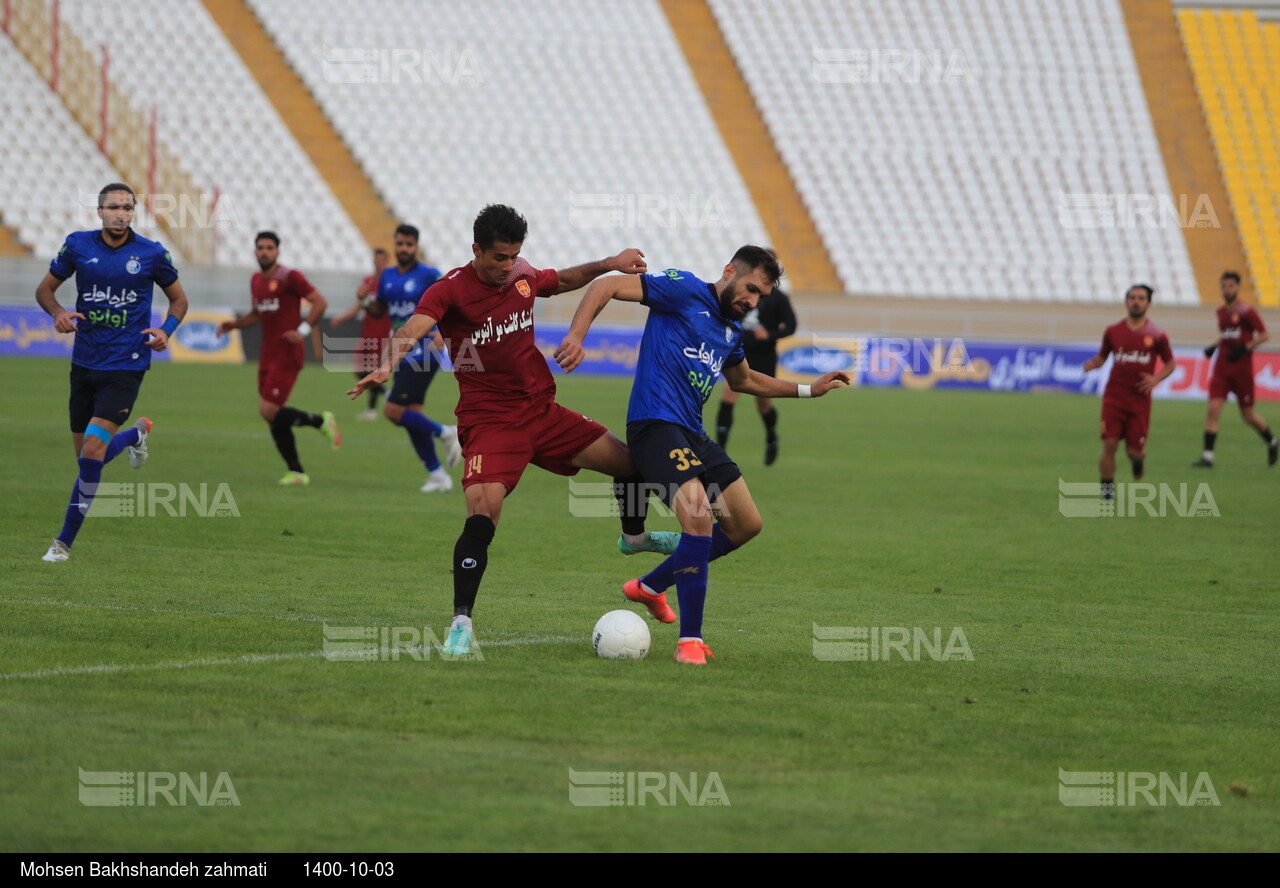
489,332
374,328
1134,353
277,298
1238,324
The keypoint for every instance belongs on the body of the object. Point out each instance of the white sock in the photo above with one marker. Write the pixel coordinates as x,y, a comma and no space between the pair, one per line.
1208,456
635,539
688,638
461,620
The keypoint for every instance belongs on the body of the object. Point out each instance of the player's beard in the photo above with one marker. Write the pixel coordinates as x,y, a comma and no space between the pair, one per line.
727,299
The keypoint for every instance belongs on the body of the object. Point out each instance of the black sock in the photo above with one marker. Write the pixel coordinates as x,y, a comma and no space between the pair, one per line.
633,503
724,422
1266,435
1209,439
770,424
282,433
470,557
1108,488
299,417
1137,467
373,396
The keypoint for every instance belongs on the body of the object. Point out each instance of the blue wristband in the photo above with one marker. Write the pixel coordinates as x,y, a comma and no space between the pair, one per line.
170,324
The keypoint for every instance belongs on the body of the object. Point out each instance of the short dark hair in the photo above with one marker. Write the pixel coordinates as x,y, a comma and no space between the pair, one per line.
751,257
114,186
498,222
266,235
380,251
1231,275
408,231
1150,290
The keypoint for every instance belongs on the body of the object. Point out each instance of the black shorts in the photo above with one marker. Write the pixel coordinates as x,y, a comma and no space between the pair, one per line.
765,362
668,455
411,381
106,393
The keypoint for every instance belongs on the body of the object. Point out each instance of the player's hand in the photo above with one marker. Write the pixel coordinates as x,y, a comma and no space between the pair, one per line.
376,378
1093,364
1208,352
570,353
1146,382
628,262
64,321
437,341
833,380
226,327
293,337
156,338
362,290
760,333
1237,352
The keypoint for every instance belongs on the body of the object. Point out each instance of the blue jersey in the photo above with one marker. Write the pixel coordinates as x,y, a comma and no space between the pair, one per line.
686,343
113,292
400,291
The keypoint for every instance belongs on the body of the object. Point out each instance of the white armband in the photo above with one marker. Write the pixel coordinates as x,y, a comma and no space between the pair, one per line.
804,391
304,329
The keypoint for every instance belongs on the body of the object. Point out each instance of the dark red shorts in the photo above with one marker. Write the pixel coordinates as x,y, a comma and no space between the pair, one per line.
549,438
1126,420
1238,383
275,381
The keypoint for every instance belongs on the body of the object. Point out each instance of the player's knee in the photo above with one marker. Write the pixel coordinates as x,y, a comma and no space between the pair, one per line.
749,528
392,412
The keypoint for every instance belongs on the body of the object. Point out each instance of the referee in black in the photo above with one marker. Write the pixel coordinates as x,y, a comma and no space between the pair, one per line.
772,319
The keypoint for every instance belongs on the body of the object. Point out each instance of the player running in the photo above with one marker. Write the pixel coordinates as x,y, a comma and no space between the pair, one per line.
373,331
1126,401
278,293
692,335
399,290
507,413
1241,331
115,272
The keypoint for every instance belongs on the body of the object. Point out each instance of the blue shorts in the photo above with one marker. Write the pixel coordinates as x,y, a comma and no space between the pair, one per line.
411,381
667,455
108,394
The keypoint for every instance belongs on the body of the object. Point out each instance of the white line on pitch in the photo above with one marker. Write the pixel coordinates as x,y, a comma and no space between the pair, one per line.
107,668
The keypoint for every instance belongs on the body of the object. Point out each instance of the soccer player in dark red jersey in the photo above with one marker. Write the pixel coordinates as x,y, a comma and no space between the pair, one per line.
278,293
1126,401
373,331
1240,332
507,413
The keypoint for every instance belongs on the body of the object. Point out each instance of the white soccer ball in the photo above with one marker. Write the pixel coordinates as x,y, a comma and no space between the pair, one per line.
621,635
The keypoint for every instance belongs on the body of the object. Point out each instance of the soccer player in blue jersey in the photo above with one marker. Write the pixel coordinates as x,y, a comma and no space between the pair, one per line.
115,271
692,335
399,290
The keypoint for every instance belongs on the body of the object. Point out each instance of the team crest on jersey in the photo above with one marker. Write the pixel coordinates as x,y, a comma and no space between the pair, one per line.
408,285
728,334
1147,341
1235,319
272,286
522,287
133,266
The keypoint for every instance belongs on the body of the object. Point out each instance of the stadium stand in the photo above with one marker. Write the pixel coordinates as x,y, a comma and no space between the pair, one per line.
581,114
216,118
1236,62
52,170
944,156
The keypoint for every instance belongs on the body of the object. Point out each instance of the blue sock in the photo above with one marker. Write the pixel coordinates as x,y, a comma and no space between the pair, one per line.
692,557
661,577
422,433
81,499
118,442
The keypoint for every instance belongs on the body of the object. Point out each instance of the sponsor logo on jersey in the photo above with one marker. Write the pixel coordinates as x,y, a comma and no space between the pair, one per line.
706,357
1132,357
1231,333
522,287
110,297
268,304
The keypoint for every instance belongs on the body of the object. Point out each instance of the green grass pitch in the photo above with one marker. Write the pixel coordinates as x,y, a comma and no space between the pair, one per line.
1143,645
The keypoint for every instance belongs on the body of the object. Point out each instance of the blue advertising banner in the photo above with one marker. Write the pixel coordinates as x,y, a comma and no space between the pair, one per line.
28,331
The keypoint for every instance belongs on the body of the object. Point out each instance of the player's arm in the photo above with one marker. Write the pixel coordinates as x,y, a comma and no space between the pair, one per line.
627,288
350,313
1101,357
1147,382
318,305
628,262
742,378
248,319
787,322
63,320
158,337
398,346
